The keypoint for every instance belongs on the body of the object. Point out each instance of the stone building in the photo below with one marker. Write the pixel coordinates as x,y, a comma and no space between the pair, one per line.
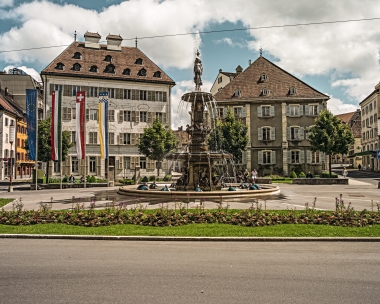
277,108
139,92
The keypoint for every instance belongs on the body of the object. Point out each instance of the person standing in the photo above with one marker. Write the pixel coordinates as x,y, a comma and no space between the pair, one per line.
254,175
359,167
345,172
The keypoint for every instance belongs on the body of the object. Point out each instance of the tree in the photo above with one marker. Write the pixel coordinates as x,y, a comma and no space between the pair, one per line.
330,135
44,143
230,135
156,142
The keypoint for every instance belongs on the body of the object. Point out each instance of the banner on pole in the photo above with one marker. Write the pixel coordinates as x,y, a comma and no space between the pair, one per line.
56,125
81,124
31,120
103,124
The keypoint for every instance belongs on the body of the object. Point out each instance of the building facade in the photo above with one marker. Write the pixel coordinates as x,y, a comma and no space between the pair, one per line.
278,109
139,92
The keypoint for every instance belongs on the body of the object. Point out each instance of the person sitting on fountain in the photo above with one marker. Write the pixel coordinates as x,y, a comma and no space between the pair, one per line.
165,188
252,187
198,189
243,185
143,187
230,188
153,185
246,175
256,186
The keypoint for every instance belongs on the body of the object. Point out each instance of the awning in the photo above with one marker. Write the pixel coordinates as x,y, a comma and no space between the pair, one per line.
373,153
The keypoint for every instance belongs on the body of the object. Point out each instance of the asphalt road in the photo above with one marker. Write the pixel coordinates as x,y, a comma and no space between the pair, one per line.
69,271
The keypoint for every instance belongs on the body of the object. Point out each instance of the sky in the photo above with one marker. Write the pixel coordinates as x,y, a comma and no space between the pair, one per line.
338,59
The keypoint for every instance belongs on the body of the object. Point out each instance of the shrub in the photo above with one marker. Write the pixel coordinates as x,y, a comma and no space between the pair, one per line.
293,175
326,175
54,180
167,178
144,179
65,179
302,175
100,180
152,178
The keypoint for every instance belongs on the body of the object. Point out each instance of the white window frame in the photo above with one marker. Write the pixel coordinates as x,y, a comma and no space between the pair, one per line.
315,157
267,157
127,94
75,90
295,135
266,133
159,96
295,157
93,92
294,110
313,110
93,138
238,112
93,114
143,116
74,164
92,164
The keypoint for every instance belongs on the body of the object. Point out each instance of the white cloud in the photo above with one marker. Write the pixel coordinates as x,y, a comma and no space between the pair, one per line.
30,71
6,3
229,42
336,106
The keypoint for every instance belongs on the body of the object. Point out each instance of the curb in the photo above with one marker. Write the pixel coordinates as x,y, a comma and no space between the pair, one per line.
189,239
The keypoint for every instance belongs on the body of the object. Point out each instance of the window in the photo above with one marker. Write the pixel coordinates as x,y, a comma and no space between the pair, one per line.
371,120
295,157
110,69
111,93
111,138
266,133
313,110
127,115
93,114
77,55
108,58
6,153
66,113
93,92
159,96
142,95
93,138
127,94
60,66
73,136
139,61
127,162
220,112
367,122
6,121
142,72
375,117
294,110
157,74
18,142
267,157
126,138
75,90
220,79
76,67
143,162
143,116
6,138
265,92
263,77
23,143
238,112
111,115
94,69
294,133
159,116
314,157
127,72
92,164
370,107
18,128
237,93
58,87
265,111
292,91
74,164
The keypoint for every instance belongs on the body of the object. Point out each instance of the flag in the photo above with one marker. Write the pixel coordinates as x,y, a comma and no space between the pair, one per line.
81,124
103,123
31,120
56,125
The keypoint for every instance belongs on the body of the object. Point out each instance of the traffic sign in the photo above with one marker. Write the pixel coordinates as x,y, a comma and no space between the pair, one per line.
378,154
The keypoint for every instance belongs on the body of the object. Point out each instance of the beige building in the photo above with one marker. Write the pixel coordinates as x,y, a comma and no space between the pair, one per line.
139,92
370,129
223,79
277,108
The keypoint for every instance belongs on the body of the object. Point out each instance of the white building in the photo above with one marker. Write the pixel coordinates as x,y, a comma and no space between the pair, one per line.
139,92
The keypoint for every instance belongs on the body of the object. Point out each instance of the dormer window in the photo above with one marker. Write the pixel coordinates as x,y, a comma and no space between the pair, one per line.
108,58
157,74
110,69
265,92
127,72
60,66
77,55
94,69
139,61
292,91
237,93
76,67
142,72
263,77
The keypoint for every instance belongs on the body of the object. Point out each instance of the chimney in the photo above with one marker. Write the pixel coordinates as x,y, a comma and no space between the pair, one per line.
91,40
114,42
6,91
249,62
239,69
220,70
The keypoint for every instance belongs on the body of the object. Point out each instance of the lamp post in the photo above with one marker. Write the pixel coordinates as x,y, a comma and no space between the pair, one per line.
11,141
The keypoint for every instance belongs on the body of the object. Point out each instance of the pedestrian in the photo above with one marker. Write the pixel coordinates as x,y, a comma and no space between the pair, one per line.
309,175
71,179
345,172
359,167
254,175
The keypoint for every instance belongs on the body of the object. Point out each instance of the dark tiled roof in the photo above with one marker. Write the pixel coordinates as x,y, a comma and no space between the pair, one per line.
89,34
121,60
278,83
7,105
356,124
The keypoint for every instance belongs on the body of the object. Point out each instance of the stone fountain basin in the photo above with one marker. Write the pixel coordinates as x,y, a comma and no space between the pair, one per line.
266,190
198,156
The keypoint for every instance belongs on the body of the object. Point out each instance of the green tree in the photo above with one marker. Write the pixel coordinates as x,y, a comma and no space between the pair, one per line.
44,143
330,135
230,135
156,142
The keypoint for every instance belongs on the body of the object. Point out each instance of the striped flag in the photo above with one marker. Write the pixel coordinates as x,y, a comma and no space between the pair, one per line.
81,124
56,125
103,123
31,120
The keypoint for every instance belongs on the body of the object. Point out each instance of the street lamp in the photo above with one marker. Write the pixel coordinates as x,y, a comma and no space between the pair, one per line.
11,141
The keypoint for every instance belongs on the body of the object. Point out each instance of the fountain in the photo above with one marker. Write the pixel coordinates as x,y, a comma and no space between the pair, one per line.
199,170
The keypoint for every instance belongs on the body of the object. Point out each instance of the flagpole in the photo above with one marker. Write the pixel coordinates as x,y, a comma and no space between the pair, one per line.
85,142
60,135
36,139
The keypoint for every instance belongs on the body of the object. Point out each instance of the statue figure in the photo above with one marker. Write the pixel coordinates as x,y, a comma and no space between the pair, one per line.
198,70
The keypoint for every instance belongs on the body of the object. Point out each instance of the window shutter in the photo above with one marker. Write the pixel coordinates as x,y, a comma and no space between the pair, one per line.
51,88
260,157
86,89
301,110
273,157
302,157
135,94
133,162
244,112
68,90
67,168
119,93
133,116
259,111
120,138
287,133
307,111
133,138
302,133
81,166
87,165
259,134
120,116
244,157
271,111
308,156
98,166
272,133
150,117
150,95
153,95
164,97
289,156
164,118
287,111
137,116
102,90
87,114
74,113
121,158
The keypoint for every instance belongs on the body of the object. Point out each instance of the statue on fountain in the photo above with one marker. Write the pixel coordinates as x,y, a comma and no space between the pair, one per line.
198,70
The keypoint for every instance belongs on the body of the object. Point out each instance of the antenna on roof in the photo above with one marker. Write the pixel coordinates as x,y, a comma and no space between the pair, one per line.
75,35
136,42
261,51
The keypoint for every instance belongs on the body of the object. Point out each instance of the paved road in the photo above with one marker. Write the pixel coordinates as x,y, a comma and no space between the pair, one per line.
64,271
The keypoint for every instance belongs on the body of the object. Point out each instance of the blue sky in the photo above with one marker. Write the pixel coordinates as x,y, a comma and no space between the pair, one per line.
341,60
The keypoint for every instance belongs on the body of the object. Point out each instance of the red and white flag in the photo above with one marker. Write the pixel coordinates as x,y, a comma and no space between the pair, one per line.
81,124
56,125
